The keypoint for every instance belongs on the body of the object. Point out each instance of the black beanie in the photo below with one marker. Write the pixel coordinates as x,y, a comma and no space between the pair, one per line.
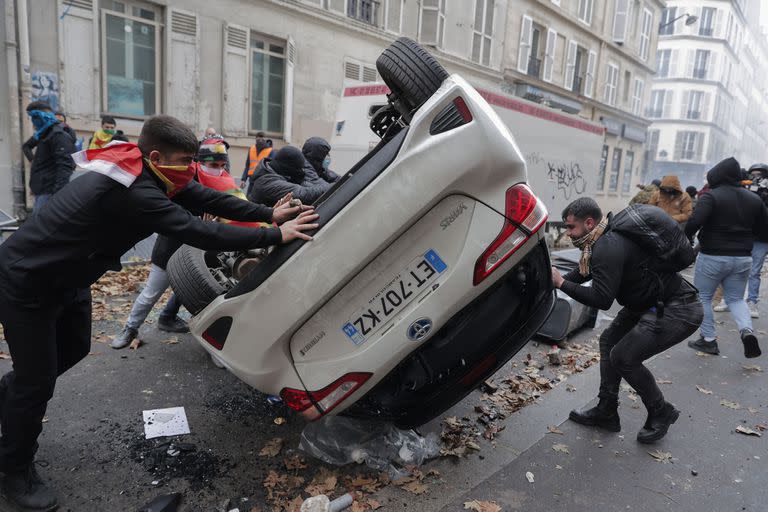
289,162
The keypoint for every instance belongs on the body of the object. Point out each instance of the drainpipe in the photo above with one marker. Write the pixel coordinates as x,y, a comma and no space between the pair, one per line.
14,111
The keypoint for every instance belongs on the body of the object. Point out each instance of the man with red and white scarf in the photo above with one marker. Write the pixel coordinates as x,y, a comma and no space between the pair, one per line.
48,265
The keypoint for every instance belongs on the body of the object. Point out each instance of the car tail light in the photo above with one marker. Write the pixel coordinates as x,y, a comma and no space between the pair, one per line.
454,115
325,399
524,215
216,333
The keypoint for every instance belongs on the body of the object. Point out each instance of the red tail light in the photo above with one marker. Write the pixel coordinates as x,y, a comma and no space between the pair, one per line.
524,215
216,333
325,399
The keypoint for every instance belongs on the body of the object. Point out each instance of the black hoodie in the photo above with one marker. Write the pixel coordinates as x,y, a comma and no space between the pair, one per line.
281,174
728,216
315,150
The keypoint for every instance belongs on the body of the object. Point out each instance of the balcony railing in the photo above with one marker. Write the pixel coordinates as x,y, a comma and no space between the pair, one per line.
534,67
706,31
700,73
366,11
693,114
654,114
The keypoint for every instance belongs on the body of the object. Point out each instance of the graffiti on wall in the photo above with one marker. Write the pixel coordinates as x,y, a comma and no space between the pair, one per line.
568,177
45,87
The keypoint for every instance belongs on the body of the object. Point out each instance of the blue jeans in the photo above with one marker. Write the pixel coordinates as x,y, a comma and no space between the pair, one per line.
154,288
40,201
759,251
733,273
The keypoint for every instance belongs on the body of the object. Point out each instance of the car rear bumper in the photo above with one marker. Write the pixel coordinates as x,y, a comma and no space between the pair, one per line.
469,348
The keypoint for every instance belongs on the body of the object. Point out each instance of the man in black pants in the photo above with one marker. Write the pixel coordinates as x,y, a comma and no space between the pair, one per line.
47,267
617,267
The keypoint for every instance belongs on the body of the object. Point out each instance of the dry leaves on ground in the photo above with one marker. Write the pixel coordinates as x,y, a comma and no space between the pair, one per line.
135,344
752,367
747,431
730,405
272,447
458,437
554,430
704,390
560,448
171,341
324,482
482,506
295,462
415,482
663,457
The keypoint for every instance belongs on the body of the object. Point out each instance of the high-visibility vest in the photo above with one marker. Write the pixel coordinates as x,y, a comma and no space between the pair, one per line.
255,158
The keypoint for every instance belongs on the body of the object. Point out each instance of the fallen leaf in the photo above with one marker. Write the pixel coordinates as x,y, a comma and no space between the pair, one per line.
663,381
730,405
761,427
752,410
415,487
570,388
554,430
373,504
752,367
295,462
529,476
703,354
272,448
664,457
482,506
747,431
171,341
135,344
279,420
703,390
561,448
323,483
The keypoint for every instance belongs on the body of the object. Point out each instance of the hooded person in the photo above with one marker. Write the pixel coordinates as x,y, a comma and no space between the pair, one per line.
645,195
103,136
727,218
317,169
49,264
283,174
671,198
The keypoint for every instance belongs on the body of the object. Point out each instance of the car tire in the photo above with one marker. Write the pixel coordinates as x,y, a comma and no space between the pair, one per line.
192,282
412,74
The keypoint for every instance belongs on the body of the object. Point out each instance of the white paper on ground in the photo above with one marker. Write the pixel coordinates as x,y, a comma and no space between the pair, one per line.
165,422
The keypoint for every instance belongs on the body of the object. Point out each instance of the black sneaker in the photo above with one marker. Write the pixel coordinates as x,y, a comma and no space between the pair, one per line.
751,347
174,324
657,424
26,489
603,415
125,338
708,347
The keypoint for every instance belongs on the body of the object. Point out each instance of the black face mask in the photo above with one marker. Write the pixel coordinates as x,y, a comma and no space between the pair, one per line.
670,191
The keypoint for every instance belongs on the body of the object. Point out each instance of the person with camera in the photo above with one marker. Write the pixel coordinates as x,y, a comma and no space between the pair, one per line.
759,175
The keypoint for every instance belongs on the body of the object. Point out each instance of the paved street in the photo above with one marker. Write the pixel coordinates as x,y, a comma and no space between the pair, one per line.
94,449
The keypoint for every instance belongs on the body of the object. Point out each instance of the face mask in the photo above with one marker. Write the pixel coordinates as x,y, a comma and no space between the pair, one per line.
326,162
42,119
213,171
175,177
109,132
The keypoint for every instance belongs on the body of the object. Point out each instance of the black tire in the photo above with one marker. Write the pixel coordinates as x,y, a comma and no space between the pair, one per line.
192,282
412,74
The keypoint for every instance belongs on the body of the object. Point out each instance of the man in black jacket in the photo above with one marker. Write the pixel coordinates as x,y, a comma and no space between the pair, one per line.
283,174
729,217
48,265
759,175
618,269
317,168
52,165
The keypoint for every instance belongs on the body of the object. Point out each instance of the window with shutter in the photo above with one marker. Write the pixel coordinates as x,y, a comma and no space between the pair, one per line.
432,22
645,34
268,83
482,32
637,96
549,55
182,66
611,84
526,37
590,77
79,92
667,27
585,11
395,16
620,20
570,64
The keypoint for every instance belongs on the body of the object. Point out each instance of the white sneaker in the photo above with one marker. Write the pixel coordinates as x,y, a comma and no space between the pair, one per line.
722,306
753,312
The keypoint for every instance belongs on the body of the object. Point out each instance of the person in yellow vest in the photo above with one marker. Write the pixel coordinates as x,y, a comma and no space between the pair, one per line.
258,152
103,136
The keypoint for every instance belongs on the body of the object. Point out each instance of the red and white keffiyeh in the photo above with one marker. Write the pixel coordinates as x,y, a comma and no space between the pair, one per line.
121,161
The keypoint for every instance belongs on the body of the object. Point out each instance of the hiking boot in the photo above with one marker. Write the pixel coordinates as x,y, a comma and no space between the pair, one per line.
753,312
708,347
125,337
604,415
720,307
658,422
172,324
26,489
751,347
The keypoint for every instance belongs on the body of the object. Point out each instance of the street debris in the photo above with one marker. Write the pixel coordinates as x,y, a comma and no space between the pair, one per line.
529,476
165,422
730,405
458,437
747,431
482,506
752,368
554,430
703,390
554,356
663,457
560,448
663,381
272,448
321,503
164,503
279,421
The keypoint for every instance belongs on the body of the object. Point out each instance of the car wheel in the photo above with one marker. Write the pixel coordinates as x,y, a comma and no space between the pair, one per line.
191,279
412,74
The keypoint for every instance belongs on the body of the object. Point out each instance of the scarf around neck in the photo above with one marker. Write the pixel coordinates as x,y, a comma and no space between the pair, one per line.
586,242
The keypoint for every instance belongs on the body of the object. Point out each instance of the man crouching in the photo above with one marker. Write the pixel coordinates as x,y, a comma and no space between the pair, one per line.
660,309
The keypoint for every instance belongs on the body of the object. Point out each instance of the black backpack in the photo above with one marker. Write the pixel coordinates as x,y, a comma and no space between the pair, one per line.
656,232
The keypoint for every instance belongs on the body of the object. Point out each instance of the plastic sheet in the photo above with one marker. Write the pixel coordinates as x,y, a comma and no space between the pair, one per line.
339,440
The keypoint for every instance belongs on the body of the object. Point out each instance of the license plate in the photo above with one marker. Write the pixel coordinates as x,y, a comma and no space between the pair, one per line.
395,296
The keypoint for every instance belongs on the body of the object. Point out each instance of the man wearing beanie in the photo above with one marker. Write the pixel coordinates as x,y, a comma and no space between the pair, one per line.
281,174
727,219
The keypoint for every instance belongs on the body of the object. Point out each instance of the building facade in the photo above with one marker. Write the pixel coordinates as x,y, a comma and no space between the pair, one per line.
709,97
594,58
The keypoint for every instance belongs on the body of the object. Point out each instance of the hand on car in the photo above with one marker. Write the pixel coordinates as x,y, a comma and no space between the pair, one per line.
209,217
288,210
557,279
293,229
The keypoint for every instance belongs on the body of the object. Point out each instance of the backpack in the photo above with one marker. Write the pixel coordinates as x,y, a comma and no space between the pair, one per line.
657,233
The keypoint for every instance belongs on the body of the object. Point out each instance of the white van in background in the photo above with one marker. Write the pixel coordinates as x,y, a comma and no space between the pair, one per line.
562,151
